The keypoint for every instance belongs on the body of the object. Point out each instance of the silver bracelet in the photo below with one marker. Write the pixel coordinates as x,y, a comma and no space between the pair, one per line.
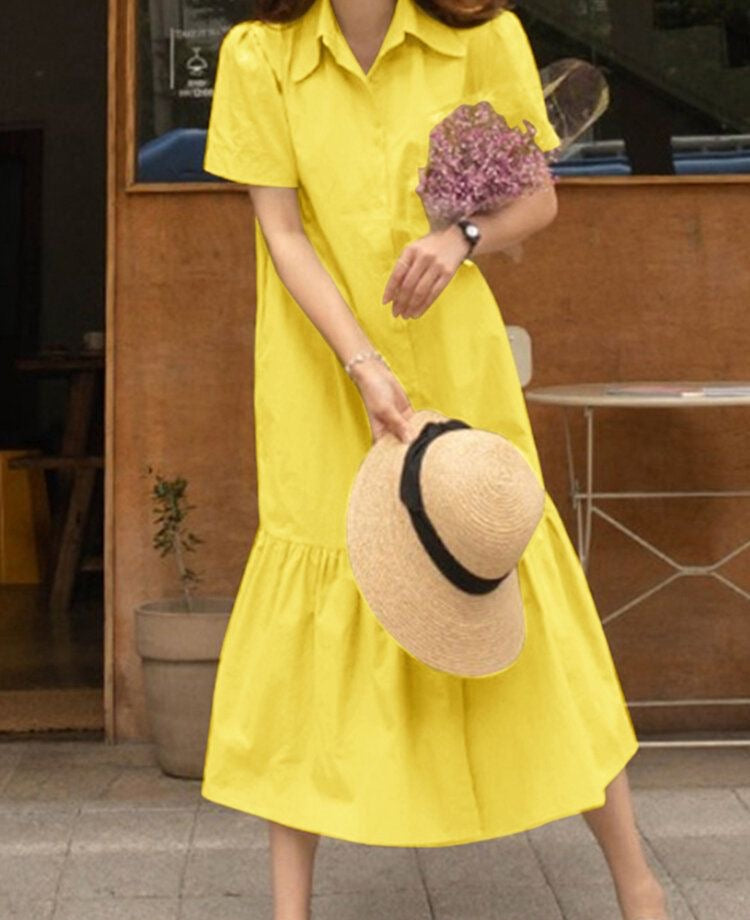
362,356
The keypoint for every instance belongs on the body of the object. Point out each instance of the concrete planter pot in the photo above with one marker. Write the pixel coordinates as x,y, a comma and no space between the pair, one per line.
180,652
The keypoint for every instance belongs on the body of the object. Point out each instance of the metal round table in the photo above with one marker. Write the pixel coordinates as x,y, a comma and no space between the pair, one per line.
589,397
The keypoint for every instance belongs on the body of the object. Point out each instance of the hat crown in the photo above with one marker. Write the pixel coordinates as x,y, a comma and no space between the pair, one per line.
482,498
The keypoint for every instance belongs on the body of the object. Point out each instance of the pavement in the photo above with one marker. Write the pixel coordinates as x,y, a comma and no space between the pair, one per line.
94,831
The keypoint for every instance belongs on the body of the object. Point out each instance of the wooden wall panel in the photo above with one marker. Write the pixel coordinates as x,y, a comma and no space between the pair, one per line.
650,282
182,402
632,281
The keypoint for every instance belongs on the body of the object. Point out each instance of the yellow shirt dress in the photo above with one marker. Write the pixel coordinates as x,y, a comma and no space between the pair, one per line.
320,720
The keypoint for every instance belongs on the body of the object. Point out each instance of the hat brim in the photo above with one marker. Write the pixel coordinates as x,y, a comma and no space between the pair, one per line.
468,635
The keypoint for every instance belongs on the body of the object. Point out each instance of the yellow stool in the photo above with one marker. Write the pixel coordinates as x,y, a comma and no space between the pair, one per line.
24,521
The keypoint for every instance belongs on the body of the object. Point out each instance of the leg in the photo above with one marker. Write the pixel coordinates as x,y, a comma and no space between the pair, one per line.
292,863
639,893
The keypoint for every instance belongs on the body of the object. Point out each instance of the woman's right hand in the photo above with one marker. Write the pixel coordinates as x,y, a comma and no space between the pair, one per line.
386,402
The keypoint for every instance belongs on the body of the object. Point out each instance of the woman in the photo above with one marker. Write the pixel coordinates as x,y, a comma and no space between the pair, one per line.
321,723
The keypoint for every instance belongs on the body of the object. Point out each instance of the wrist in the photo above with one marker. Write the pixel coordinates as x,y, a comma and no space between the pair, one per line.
365,358
470,233
458,242
367,370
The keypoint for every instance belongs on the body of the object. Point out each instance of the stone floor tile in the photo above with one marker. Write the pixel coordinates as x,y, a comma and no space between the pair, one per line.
10,757
151,831
572,829
88,753
148,787
230,829
690,812
26,909
743,794
138,838
488,901
11,753
48,781
672,766
249,907
112,874
342,867
226,873
31,806
6,771
586,902
117,909
598,901
726,900
35,831
208,805
31,875
506,860
709,858
396,904
570,861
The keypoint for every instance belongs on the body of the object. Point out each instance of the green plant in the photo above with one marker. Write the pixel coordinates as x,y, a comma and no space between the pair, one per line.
171,508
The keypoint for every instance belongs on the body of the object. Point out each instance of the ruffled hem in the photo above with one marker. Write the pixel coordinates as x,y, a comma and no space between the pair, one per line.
277,812
321,721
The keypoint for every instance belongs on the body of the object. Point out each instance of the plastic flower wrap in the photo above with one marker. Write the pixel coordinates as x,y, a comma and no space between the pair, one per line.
477,163
577,95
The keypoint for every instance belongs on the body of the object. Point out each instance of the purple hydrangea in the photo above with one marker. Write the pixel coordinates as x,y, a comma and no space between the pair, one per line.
478,163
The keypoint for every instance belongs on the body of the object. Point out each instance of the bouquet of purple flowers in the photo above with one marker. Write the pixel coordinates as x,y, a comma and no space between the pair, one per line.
478,163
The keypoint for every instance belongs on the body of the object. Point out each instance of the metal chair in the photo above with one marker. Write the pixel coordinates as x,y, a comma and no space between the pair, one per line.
520,344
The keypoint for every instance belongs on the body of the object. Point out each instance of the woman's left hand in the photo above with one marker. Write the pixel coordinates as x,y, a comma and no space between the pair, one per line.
423,271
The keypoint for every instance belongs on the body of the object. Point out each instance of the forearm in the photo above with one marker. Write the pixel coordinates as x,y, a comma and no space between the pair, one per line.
515,222
312,287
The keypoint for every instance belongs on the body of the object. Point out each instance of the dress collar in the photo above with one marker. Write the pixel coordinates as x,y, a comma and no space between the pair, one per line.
319,24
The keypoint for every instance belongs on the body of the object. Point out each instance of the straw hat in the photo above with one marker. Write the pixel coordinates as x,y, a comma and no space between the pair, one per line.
435,530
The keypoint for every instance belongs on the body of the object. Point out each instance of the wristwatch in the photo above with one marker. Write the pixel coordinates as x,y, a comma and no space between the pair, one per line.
472,234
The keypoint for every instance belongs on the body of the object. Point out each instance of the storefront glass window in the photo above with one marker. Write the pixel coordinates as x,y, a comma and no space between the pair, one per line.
678,70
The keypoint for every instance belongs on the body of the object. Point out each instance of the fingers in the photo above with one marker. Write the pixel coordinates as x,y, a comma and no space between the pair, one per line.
403,295
418,300
440,280
397,424
426,277
391,420
435,291
393,417
398,274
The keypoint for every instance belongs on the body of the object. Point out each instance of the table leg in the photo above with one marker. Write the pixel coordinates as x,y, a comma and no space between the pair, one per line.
66,564
582,500
573,488
588,495
74,442
77,418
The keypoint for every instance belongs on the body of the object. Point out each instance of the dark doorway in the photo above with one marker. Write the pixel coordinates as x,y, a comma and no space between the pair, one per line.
53,118
20,274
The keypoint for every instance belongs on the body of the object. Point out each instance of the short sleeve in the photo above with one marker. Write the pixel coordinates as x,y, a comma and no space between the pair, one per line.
248,139
517,68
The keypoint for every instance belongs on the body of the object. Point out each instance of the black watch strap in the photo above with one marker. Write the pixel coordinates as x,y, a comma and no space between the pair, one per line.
471,234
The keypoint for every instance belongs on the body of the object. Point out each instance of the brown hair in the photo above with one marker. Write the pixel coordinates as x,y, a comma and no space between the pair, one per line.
462,14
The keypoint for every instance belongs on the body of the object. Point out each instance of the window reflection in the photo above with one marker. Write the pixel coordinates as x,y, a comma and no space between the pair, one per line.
177,53
679,74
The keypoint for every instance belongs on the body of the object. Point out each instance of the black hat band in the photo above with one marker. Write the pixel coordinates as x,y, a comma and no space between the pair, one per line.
411,495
